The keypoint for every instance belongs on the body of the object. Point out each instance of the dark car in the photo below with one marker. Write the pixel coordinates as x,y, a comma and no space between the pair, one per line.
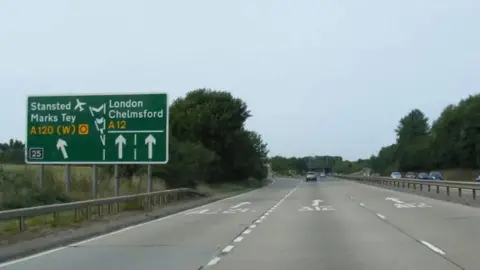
311,176
423,176
435,176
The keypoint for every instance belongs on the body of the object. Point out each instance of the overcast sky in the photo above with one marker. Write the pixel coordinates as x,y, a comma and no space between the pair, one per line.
320,76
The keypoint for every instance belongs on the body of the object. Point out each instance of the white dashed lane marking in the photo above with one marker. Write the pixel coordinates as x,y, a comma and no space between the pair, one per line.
229,248
434,248
213,261
247,231
238,239
425,243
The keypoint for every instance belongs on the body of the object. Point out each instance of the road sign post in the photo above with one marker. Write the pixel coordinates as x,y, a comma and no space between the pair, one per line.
97,129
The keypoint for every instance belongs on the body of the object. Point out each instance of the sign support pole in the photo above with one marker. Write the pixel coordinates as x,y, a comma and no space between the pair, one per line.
117,180
149,184
94,181
42,175
67,178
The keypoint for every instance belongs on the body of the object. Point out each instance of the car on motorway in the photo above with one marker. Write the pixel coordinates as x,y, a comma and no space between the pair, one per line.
396,175
423,176
322,174
410,175
311,176
435,176
477,179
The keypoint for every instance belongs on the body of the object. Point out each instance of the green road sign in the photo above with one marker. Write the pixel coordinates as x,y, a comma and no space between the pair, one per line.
97,129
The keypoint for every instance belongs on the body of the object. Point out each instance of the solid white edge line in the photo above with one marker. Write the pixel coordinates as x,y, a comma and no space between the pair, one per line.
43,253
227,249
381,216
5,264
213,261
434,248
238,239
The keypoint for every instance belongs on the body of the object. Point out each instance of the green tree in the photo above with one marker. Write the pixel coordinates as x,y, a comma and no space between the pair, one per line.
216,119
452,142
249,156
445,134
12,152
300,165
413,141
289,165
385,161
281,164
189,164
469,134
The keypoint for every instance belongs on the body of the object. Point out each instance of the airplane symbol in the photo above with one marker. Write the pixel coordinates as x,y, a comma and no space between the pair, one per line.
80,105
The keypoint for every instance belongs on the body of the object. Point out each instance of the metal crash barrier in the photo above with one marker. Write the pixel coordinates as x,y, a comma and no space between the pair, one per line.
84,210
438,185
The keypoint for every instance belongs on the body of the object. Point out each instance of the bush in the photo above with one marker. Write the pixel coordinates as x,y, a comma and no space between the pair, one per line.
19,191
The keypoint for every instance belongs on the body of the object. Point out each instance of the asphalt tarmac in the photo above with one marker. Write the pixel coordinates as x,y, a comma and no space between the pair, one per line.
329,224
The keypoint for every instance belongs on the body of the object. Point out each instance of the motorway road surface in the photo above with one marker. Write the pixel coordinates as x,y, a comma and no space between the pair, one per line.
332,224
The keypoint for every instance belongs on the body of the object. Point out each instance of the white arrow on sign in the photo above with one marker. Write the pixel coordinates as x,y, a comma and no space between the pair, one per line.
240,204
393,200
61,146
120,141
150,141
